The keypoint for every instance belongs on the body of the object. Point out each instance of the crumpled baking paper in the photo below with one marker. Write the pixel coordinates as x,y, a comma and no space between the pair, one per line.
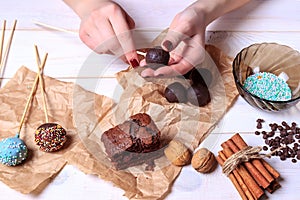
86,115
185,122
39,167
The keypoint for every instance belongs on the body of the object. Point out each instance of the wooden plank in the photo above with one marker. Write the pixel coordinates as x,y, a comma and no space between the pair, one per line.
258,15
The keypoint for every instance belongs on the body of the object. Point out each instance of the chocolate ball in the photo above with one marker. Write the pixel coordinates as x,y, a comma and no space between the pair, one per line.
198,95
186,75
175,93
201,76
157,55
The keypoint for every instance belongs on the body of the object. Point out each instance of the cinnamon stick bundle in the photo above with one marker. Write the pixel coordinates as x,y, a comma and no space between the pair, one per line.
250,178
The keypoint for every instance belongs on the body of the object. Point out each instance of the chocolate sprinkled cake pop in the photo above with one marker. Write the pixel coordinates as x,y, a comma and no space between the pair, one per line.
13,151
48,136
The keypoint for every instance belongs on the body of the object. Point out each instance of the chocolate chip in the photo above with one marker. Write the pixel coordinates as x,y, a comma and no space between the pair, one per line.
279,135
283,123
267,142
271,134
260,120
282,157
259,125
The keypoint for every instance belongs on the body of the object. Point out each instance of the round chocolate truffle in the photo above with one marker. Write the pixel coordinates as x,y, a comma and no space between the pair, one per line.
157,55
13,151
50,137
175,93
198,95
200,76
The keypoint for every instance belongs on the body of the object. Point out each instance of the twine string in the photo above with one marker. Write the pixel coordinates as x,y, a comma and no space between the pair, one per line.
244,155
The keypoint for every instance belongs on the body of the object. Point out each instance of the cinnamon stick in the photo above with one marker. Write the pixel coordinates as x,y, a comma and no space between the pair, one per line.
254,188
270,169
240,143
274,186
236,180
256,174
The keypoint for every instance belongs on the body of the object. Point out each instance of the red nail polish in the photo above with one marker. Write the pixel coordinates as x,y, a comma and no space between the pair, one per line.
134,63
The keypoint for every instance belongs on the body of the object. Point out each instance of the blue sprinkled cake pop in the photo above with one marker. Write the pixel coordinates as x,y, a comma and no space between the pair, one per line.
268,86
13,151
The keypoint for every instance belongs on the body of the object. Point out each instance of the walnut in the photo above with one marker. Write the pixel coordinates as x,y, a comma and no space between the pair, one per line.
178,154
204,161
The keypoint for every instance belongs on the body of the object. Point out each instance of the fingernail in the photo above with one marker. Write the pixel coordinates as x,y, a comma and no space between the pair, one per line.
134,63
168,45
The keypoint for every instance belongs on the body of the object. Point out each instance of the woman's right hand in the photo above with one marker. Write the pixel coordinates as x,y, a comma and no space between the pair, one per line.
105,28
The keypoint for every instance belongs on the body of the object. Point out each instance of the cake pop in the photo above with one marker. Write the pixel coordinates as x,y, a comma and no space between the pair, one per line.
48,136
13,150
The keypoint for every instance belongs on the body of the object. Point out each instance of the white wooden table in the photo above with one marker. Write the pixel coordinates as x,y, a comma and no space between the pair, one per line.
259,21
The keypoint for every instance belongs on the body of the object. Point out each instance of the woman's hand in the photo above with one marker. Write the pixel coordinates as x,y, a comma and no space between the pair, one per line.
185,42
105,28
185,39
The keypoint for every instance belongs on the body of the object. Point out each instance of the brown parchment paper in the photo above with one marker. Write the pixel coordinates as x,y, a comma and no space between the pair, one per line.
86,115
185,122
38,169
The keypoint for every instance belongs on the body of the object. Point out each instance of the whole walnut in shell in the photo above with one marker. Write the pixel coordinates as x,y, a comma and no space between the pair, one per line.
204,161
178,154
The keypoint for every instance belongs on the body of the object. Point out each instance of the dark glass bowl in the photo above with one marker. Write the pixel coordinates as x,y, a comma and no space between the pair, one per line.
273,58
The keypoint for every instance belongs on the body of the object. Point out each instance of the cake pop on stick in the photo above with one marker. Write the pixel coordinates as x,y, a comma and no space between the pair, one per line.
49,136
13,150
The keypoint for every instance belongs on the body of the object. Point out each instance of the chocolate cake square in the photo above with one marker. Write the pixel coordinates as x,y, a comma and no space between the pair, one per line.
134,142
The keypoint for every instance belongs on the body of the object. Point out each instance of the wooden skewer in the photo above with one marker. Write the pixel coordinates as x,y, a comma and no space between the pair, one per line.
41,81
72,32
54,27
6,52
2,39
30,96
141,53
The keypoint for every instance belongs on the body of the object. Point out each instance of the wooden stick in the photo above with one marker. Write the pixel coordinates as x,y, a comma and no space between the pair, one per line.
41,81
254,188
235,181
30,97
6,52
54,27
2,39
256,174
141,53
238,140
